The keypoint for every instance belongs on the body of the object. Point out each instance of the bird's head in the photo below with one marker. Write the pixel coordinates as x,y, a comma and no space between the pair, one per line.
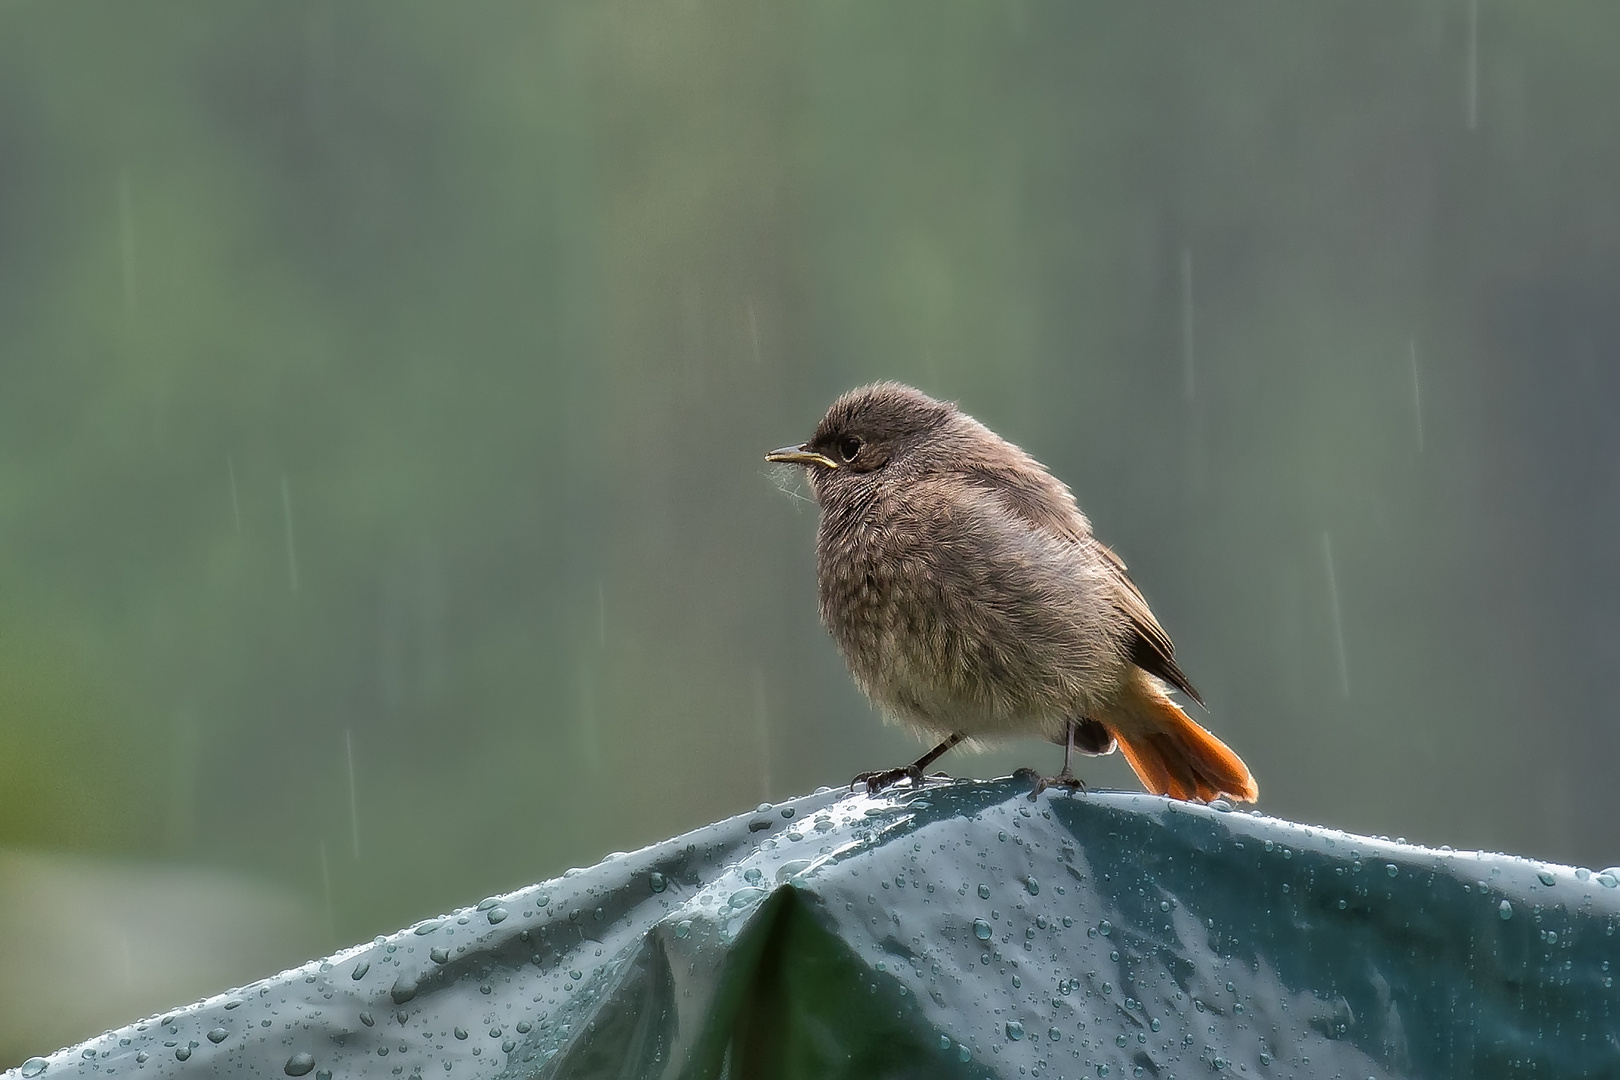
866,433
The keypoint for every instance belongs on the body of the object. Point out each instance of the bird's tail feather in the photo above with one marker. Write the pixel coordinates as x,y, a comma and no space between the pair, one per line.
1170,753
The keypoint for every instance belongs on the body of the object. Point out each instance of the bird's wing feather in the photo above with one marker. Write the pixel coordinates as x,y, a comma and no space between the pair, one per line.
1044,503
1038,499
1151,648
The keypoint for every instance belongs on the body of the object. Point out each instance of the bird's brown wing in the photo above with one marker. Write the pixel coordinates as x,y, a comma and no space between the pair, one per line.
1036,497
1151,648
1039,499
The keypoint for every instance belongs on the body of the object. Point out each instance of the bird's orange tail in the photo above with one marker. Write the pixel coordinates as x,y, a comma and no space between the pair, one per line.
1171,754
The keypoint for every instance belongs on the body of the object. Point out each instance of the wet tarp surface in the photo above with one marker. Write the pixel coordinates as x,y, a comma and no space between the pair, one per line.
962,930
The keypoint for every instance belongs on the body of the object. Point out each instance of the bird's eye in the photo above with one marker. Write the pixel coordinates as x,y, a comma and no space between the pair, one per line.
848,447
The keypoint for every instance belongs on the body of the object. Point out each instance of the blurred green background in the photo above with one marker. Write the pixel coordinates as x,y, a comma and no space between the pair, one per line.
383,389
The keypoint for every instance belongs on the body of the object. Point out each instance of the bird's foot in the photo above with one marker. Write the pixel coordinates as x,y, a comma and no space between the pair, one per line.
877,781
1064,779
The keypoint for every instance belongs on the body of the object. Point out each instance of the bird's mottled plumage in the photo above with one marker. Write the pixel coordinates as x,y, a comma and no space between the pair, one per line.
965,590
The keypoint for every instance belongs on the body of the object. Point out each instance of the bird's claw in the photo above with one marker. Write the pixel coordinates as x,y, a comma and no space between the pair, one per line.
877,781
1064,779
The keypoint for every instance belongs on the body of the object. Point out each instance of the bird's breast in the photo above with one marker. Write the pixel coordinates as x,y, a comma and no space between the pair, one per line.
926,645
953,620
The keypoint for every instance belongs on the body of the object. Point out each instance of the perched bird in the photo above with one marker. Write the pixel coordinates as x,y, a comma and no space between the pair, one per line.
971,602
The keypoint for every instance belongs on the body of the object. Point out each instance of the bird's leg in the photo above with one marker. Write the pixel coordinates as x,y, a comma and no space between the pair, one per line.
1068,750
877,781
1065,778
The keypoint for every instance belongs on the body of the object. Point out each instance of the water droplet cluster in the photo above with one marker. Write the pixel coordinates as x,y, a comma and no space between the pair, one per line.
1070,935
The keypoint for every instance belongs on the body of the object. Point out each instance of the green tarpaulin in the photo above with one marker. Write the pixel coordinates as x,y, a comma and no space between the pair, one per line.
963,930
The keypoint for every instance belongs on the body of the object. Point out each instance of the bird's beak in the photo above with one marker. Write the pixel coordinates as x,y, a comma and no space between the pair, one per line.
798,455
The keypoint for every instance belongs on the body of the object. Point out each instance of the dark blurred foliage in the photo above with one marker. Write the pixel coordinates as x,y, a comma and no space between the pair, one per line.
383,389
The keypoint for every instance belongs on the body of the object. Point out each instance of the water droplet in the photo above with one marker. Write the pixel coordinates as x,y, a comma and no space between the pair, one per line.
33,1067
1546,877
984,892
1270,845
360,970
787,813
753,875
1343,904
461,1033
1015,1030
1154,1024
367,1019
299,1064
542,900
324,1074
404,988
218,1035
1392,870
182,1053
1102,1070
1221,805
944,1042
140,1058
1506,910
439,955
1552,937
743,897
963,1053
496,915
683,928
791,869
1033,886
1120,1040
426,928
1017,982
981,929
1105,928
658,882
486,903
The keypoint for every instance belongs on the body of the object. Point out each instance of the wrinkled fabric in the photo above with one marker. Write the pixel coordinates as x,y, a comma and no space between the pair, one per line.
964,930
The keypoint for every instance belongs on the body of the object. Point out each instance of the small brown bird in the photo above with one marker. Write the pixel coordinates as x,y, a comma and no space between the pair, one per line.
971,602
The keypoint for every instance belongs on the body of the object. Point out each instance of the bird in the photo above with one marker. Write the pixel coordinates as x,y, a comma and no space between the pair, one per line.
963,586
